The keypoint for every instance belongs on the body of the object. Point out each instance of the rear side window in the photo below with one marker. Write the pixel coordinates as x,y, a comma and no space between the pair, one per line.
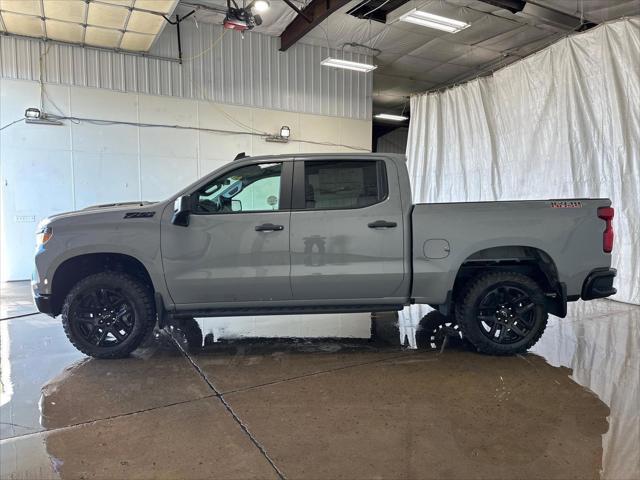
340,184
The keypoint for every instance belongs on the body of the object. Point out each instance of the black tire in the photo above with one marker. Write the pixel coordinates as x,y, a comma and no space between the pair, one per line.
108,314
434,328
502,313
187,332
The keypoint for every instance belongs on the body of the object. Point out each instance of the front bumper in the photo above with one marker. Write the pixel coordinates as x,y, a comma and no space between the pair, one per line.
599,284
43,304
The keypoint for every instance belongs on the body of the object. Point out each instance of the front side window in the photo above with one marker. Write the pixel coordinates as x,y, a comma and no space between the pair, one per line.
252,188
339,184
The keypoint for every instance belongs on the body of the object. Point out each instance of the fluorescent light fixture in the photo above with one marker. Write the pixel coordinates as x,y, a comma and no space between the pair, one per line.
261,5
433,21
348,65
388,116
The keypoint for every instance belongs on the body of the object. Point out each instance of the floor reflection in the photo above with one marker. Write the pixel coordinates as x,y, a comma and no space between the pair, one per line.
326,407
600,343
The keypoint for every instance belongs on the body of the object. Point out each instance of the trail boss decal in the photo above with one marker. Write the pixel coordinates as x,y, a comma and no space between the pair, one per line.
566,204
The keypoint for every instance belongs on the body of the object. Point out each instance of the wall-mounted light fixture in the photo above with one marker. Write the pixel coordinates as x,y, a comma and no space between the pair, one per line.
282,137
34,115
31,113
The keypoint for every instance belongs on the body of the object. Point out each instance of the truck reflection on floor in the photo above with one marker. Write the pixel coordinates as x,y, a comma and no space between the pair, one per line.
458,405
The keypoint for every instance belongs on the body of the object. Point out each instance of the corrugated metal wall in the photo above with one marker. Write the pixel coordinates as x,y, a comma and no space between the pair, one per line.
249,71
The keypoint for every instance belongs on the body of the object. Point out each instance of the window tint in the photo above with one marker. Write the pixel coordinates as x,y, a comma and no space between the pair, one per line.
344,183
253,188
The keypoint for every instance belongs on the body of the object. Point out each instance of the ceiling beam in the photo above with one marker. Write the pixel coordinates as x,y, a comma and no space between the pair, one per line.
310,17
514,6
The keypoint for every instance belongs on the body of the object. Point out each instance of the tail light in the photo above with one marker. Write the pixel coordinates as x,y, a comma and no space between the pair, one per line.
606,214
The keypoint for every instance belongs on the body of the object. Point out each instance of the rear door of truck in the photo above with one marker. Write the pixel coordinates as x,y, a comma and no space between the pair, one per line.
346,229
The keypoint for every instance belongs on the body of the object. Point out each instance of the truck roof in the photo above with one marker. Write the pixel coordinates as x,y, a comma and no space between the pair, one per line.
332,156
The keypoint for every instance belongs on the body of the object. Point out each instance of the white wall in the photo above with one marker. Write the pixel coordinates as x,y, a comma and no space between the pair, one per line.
49,169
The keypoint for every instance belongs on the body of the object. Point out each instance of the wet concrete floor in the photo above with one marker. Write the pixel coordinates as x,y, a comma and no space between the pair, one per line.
322,408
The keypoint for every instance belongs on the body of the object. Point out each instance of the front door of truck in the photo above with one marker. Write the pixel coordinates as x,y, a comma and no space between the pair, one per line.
236,246
347,238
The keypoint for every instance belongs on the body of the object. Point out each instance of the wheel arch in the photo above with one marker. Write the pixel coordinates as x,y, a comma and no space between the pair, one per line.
73,269
526,259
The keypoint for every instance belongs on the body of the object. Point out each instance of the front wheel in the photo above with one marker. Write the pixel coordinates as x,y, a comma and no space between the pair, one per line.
108,314
502,313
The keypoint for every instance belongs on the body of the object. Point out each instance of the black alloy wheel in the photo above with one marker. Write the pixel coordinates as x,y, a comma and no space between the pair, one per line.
105,318
506,314
502,312
108,314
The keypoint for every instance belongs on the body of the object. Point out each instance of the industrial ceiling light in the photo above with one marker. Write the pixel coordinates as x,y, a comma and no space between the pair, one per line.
388,116
285,132
241,18
430,20
347,64
261,5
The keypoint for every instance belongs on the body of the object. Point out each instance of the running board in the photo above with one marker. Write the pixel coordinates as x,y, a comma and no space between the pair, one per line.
240,311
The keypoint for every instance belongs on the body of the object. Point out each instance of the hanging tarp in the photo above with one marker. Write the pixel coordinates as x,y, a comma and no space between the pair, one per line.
562,123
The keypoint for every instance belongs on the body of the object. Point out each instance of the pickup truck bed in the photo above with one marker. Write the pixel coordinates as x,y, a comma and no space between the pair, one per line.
560,236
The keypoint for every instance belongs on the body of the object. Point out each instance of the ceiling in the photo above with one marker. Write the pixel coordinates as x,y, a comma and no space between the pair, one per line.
412,58
116,24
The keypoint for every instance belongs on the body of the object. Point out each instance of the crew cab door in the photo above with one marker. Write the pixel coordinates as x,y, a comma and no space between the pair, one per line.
346,230
236,246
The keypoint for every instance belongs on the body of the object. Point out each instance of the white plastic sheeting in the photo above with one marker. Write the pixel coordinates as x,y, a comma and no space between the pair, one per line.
562,123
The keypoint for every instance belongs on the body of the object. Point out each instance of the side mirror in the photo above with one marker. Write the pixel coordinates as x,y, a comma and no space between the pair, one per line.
181,211
236,205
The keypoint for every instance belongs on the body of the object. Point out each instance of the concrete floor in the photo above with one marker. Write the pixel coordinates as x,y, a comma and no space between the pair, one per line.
321,409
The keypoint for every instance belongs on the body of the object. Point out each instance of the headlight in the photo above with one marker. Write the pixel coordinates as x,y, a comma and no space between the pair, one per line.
43,235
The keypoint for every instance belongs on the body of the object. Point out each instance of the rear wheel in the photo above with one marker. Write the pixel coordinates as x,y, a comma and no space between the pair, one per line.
502,313
108,314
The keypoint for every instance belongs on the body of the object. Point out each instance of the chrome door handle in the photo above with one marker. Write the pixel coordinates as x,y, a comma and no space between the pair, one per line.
269,227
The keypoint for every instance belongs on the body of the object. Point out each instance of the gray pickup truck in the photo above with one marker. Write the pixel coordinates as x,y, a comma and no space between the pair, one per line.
319,234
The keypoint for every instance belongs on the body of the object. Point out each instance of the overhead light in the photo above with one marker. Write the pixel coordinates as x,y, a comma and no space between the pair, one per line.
285,132
388,116
430,20
348,65
261,5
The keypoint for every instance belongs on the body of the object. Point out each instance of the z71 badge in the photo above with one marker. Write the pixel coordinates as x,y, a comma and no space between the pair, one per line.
566,204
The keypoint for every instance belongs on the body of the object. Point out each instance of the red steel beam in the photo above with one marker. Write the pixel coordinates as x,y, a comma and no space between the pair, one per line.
316,11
